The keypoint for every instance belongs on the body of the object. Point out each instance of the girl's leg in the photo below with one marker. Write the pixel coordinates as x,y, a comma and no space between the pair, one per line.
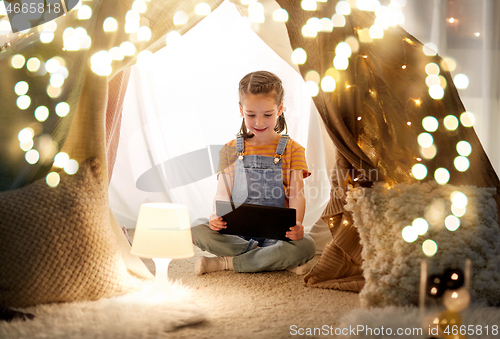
220,244
279,256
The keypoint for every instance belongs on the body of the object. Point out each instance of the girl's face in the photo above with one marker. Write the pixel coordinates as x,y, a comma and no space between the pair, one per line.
260,112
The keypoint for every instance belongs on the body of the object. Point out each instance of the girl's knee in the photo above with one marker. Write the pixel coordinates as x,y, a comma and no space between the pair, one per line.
306,246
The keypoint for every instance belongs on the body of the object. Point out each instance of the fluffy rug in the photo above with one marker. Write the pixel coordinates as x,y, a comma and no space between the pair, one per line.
129,316
485,323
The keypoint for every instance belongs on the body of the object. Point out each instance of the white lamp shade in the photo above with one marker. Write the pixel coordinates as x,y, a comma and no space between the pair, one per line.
163,231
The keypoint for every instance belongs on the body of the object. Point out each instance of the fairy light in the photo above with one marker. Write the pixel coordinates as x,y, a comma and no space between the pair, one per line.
299,56
203,9
71,167
328,84
53,92
25,135
144,33
100,63
180,18
461,163
419,171
314,24
311,88
26,146
432,80
436,92
343,50
429,247
309,5
62,109
430,124
139,6
23,102
340,63
33,64
343,8
353,44
127,48
17,61
409,234
110,25
376,32
442,176
41,113
459,199
432,69
132,26
452,223
458,211
84,12
450,122
32,156
307,32
61,159
420,225
442,81
280,15
429,152
464,148
430,49
116,53
326,25
21,88
461,81
46,37
53,178
467,119
418,102
425,140
448,64
338,20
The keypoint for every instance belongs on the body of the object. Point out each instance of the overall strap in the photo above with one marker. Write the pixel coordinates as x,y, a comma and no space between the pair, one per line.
240,146
281,148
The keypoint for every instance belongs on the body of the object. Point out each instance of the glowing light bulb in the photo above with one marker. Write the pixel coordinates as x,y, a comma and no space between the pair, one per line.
33,64
459,199
450,122
23,102
456,300
53,179
32,156
61,159
17,61
432,69
309,5
110,25
62,109
343,50
41,113
436,92
449,64
340,63
461,163
84,12
280,15
425,140
312,88
429,152
328,84
21,88
430,49
343,8
461,81
71,167
338,20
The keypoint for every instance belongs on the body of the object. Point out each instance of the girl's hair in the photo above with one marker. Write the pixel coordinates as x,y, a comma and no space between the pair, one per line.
262,82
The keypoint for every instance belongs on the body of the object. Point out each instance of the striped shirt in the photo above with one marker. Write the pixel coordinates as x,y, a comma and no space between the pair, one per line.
293,159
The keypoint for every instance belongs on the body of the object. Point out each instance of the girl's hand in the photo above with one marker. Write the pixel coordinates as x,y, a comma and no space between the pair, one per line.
296,232
216,223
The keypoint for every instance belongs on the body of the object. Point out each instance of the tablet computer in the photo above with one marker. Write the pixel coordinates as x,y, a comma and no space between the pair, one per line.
256,221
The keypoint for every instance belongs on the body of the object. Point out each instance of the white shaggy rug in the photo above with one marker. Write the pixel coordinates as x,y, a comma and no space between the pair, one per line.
388,322
129,316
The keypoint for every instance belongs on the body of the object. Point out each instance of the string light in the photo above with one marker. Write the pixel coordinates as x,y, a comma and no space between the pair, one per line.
429,247
467,119
452,223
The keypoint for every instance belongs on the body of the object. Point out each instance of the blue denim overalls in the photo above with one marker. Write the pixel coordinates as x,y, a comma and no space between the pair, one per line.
258,180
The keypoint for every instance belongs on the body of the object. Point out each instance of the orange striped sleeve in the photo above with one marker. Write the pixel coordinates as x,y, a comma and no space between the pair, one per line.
298,159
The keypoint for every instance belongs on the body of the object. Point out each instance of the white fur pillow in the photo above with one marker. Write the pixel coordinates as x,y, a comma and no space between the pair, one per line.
391,266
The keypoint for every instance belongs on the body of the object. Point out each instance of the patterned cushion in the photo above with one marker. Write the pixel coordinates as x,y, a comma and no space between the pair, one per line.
391,266
56,244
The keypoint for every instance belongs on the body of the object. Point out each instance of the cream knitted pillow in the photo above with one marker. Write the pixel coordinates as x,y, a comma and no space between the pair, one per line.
56,244
391,266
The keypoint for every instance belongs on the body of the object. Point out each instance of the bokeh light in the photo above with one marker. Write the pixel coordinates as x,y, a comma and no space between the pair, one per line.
180,18
429,152
280,15
53,179
429,247
33,64
461,163
61,159
203,9
139,6
338,20
71,167
442,176
343,8
25,135
84,12
116,53
420,225
23,102
409,234
448,64
425,140
436,92
328,84
459,199
326,25
432,80
144,33
26,146
57,80
461,81
62,109
309,5
299,56
128,48
464,148
376,32
467,119
452,223
419,171
41,113
458,211
53,92
343,50
17,61
32,156
340,63
110,25
21,88
430,124
432,69
312,88
430,49
353,43
450,122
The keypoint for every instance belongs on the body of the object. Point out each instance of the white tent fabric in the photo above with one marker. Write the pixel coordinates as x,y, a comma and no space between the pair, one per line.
186,105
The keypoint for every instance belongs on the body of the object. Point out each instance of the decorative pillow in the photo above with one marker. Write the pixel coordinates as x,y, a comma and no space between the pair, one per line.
391,266
56,244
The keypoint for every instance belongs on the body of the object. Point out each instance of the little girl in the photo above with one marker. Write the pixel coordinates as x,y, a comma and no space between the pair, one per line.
259,167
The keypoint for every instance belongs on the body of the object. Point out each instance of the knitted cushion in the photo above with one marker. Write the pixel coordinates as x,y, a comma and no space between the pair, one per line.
56,244
391,266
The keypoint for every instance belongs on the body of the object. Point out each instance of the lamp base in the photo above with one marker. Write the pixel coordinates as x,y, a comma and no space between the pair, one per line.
161,285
